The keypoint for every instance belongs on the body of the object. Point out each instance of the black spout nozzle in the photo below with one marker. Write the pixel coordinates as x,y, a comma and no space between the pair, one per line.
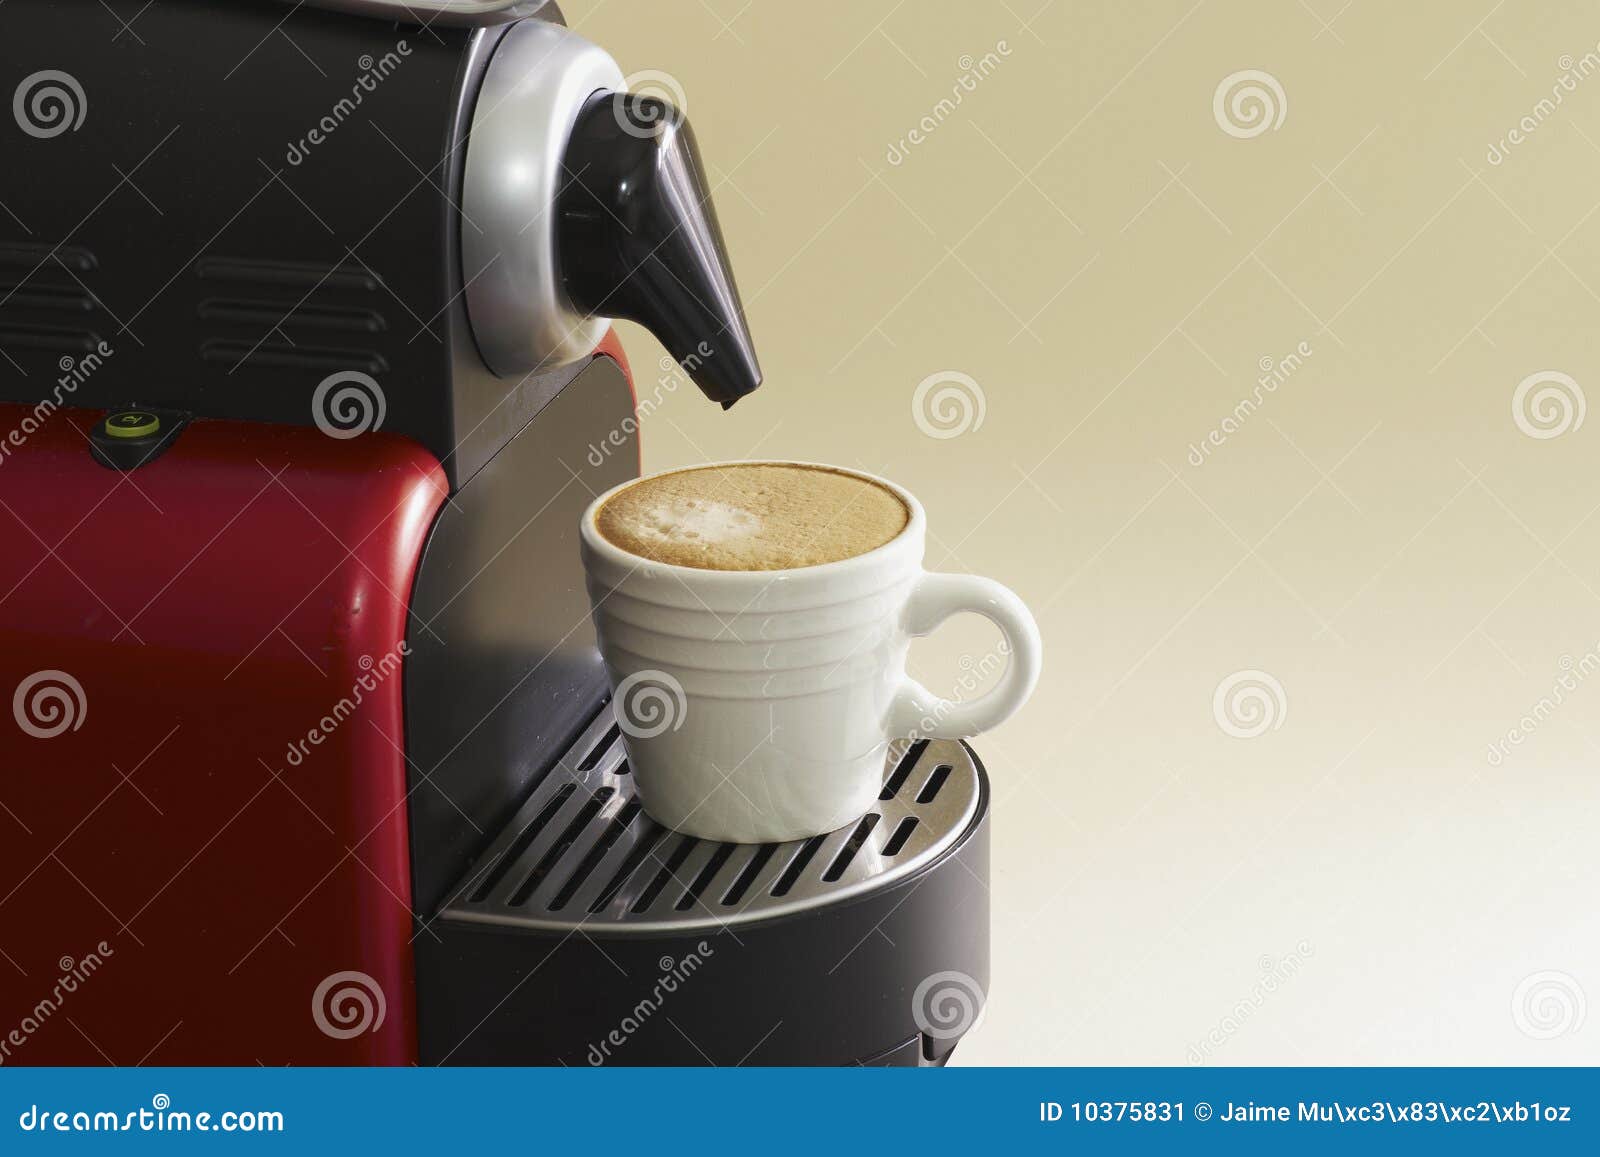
637,238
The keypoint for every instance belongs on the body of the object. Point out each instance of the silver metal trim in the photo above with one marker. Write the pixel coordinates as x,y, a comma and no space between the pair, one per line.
537,81
568,849
468,12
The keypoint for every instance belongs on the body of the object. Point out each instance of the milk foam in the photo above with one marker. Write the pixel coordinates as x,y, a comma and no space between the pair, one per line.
687,520
752,516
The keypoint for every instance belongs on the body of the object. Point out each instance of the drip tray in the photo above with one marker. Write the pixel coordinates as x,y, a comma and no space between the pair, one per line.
581,853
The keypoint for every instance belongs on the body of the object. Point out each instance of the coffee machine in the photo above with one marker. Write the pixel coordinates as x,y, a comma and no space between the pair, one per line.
306,375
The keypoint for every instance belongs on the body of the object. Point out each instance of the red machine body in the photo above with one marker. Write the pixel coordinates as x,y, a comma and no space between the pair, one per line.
245,585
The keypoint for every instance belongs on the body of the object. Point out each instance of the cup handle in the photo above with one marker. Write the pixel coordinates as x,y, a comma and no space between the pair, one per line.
920,713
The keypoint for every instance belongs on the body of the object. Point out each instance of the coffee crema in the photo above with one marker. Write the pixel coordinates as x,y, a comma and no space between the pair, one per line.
760,516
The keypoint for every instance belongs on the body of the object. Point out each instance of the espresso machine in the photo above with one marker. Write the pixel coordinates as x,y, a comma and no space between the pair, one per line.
306,376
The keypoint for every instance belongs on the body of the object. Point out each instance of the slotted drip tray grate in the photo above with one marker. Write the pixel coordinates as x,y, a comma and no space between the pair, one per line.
581,852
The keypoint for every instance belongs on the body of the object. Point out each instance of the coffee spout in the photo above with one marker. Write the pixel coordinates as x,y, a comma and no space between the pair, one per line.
637,238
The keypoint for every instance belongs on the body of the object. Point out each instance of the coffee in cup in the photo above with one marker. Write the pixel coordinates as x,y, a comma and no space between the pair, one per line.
752,516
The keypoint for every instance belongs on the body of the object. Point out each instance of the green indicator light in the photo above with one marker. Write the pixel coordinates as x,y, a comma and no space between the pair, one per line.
133,424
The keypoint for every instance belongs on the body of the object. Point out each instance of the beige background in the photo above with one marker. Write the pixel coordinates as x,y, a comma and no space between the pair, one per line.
1381,536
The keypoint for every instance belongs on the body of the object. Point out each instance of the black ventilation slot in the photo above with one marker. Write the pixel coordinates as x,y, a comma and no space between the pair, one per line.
895,782
851,847
797,865
282,355
703,880
529,834
558,849
270,315
290,274
55,338
899,836
647,844
599,749
742,882
23,255
930,790
586,866
63,299
679,854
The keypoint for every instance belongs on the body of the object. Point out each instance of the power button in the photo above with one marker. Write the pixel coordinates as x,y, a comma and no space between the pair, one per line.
133,424
135,437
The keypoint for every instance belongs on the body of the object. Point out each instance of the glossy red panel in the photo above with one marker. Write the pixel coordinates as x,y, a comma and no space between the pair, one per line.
221,828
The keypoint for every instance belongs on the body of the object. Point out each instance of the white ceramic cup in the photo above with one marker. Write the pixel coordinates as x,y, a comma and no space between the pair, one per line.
758,706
